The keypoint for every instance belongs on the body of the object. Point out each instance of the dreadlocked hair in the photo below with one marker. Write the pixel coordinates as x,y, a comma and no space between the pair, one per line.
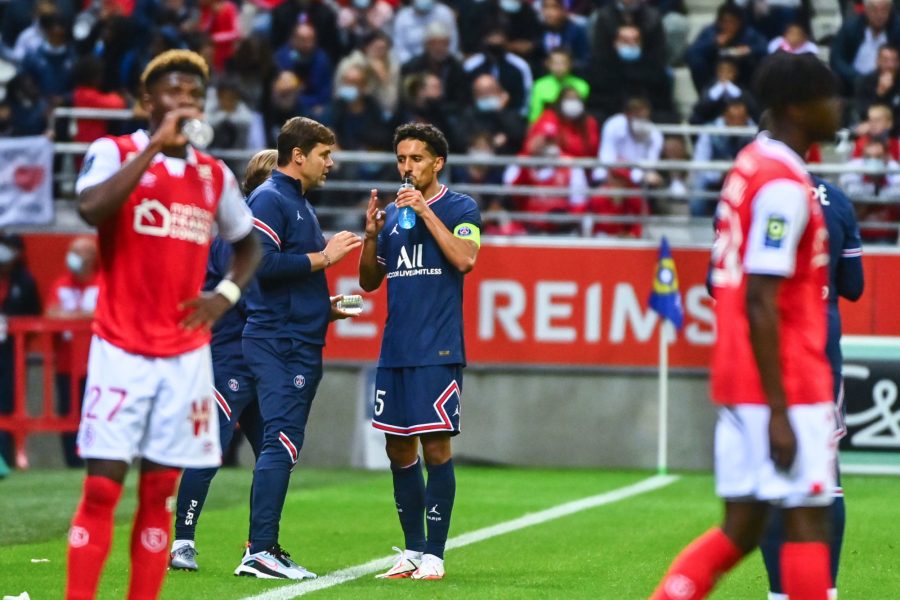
182,61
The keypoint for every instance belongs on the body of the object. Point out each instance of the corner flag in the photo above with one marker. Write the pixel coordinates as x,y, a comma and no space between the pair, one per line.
665,298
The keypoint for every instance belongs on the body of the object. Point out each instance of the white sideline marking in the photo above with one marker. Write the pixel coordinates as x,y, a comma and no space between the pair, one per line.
479,535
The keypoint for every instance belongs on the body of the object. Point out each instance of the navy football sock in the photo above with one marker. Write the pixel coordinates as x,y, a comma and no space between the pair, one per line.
439,494
838,520
409,496
191,496
270,484
770,546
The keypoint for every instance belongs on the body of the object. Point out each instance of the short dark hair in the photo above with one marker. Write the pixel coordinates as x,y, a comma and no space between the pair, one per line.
784,79
181,61
427,133
732,9
302,133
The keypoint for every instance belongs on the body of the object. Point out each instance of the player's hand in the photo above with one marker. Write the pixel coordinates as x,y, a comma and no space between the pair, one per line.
168,134
341,245
204,310
413,198
374,216
337,313
782,441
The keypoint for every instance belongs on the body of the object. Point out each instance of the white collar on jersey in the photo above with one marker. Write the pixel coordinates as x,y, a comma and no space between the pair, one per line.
141,139
440,194
781,150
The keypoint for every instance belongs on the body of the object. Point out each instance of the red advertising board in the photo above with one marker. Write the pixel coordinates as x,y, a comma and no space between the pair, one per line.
565,302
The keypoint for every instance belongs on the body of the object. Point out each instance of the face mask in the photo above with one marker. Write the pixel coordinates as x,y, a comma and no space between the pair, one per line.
629,53
641,128
423,5
362,4
7,254
552,150
572,108
873,164
488,103
74,262
510,6
348,93
479,154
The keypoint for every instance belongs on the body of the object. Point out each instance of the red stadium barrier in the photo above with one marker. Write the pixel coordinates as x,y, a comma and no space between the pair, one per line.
37,334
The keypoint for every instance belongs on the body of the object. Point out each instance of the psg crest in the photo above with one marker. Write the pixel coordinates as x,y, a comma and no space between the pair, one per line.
233,385
299,381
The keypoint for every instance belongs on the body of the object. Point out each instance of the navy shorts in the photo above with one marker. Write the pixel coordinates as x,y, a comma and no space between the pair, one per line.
415,400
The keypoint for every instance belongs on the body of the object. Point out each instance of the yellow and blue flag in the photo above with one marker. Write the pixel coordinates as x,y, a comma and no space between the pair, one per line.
665,298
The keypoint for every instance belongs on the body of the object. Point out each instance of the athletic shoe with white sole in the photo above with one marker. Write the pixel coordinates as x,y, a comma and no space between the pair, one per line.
406,564
183,558
432,567
273,563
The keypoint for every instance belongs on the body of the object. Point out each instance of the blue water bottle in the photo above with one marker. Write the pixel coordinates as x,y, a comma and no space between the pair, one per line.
407,216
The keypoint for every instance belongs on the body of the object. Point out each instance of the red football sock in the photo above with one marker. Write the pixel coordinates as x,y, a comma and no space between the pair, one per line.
806,570
91,536
698,567
150,535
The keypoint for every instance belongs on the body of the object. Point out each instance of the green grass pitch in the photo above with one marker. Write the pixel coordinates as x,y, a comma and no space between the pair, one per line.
336,519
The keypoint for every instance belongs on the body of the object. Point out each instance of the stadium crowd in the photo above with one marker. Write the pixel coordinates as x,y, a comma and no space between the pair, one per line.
541,78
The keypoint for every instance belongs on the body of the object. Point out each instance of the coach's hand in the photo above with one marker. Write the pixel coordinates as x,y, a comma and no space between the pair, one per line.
337,313
413,198
374,217
342,244
204,310
782,441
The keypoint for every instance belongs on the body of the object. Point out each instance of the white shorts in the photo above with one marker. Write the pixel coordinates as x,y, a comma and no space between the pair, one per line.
158,408
744,467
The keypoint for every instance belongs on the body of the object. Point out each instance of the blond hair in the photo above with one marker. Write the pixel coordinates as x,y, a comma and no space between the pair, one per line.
258,169
184,61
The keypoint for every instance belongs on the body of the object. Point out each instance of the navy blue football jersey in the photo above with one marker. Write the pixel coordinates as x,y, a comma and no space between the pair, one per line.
425,291
845,277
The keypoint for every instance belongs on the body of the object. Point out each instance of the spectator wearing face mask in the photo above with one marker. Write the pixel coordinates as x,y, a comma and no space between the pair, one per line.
18,297
491,114
630,72
512,72
607,21
549,176
287,14
566,121
358,121
412,22
73,296
876,177
547,88
359,19
630,137
438,60
303,56
51,64
382,69
518,20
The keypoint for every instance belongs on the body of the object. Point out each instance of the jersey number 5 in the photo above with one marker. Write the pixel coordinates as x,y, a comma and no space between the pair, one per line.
379,402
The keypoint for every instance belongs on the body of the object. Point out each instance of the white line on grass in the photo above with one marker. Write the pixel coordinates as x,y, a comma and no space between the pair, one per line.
479,535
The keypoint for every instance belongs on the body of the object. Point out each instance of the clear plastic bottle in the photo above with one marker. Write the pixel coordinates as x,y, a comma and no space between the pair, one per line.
407,216
199,133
